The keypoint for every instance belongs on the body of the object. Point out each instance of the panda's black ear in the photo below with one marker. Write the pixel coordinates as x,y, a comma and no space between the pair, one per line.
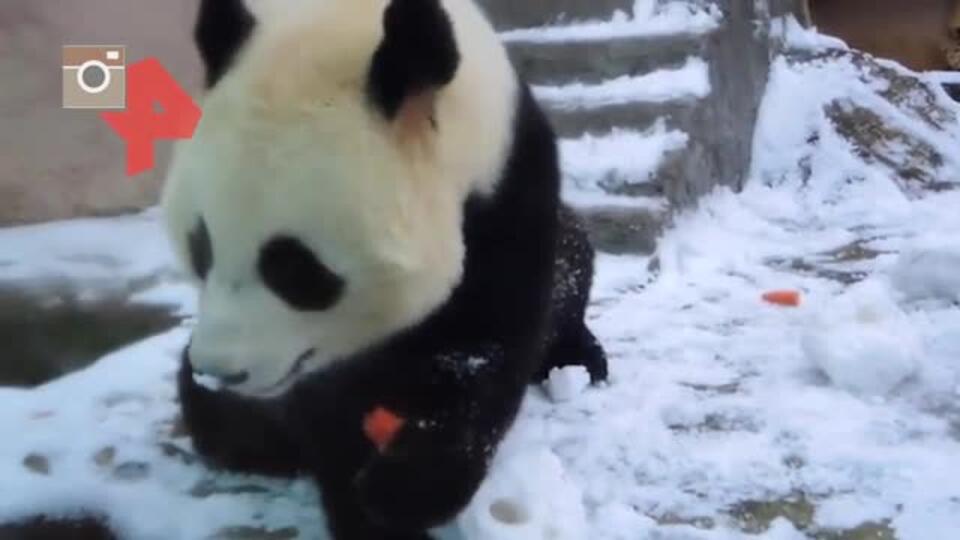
223,26
418,54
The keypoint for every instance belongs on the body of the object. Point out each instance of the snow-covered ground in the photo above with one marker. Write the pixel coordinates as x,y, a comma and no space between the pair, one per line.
726,417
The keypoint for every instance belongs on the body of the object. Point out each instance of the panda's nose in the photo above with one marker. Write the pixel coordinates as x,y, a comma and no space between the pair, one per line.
228,379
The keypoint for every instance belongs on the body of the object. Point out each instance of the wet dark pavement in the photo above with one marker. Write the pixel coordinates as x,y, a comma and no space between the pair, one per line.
49,331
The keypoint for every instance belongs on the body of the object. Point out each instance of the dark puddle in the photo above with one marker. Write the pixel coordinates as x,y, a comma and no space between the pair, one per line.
49,332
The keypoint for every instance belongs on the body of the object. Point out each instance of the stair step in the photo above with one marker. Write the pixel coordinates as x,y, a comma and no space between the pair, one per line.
621,163
661,20
629,229
508,14
689,82
597,121
593,61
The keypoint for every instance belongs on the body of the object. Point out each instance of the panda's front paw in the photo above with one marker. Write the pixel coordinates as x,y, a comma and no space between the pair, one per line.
416,485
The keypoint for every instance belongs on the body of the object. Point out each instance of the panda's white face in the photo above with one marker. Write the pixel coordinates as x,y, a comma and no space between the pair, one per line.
314,226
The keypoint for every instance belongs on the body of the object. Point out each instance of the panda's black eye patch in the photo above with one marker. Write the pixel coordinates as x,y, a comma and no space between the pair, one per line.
296,275
201,249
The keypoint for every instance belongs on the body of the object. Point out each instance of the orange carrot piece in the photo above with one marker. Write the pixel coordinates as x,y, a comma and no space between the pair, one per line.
783,298
381,426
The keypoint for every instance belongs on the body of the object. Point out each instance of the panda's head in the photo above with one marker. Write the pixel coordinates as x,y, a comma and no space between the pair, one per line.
319,204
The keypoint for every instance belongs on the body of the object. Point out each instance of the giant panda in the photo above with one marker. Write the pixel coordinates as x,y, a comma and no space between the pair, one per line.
370,211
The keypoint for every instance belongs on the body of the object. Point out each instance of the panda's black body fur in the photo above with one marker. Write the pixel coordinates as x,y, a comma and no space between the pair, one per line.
458,376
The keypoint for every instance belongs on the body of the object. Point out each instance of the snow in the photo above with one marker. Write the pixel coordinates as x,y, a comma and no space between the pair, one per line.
647,19
690,81
863,341
717,400
84,251
565,384
944,77
929,272
530,499
795,36
804,135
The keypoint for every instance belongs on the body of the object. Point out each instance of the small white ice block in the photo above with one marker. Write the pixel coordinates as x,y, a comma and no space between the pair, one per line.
564,384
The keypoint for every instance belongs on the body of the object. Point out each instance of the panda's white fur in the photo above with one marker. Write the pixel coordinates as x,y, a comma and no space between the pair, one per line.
289,143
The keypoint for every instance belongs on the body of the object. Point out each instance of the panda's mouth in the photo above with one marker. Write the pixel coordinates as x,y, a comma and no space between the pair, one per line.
288,379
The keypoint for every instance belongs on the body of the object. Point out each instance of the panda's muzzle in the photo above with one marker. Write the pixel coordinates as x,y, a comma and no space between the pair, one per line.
291,375
218,379
297,367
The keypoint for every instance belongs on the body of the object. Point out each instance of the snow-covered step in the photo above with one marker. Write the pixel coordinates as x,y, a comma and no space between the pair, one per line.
564,20
631,102
631,228
507,14
598,121
620,163
591,61
614,182
691,81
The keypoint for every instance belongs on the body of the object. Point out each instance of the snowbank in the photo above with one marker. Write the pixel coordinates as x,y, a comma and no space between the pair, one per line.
863,341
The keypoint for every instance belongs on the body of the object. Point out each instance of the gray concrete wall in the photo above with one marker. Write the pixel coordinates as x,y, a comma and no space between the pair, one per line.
721,131
56,163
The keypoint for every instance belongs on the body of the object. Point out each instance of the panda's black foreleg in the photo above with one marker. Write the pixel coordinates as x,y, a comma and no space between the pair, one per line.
571,343
236,432
457,406
575,345
347,519
420,481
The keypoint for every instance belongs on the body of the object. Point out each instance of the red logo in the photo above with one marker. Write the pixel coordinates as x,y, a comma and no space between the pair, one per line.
150,84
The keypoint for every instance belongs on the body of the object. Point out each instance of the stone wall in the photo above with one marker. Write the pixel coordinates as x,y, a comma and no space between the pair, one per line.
56,163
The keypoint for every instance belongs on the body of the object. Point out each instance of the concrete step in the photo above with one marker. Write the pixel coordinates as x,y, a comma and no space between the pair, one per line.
573,123
627,229
508,14
632,102
623,163
593,61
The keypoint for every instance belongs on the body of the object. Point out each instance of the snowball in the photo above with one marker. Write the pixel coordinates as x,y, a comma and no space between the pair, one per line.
863,341
566,383
527,496
928,273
